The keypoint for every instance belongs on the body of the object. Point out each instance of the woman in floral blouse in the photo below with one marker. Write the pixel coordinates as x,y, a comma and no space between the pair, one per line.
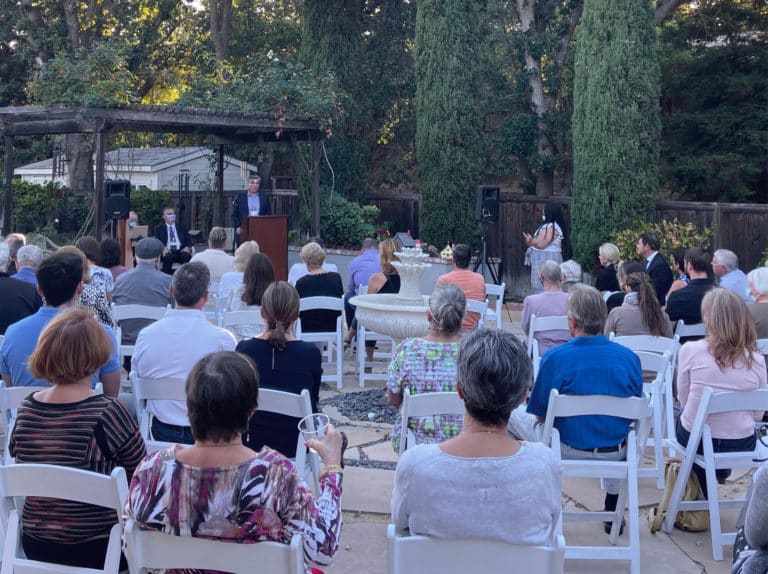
220,489
428,365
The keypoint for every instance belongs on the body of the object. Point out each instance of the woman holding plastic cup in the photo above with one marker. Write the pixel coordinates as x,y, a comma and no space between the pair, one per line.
219,488
284,364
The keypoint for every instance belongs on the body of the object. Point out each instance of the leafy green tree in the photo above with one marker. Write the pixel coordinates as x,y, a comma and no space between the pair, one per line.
449,137
616,124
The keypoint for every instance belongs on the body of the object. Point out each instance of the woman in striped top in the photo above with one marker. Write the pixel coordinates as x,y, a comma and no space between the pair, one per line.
70,425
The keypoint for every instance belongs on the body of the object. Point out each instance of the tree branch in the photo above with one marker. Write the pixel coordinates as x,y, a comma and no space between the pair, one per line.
665,9
565,41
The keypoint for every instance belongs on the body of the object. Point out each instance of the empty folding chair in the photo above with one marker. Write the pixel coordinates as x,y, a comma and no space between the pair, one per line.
495,307
331,340
479,307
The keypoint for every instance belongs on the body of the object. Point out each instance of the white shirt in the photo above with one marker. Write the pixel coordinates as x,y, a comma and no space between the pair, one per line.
229,281
169,347
218,262
298,270
173,244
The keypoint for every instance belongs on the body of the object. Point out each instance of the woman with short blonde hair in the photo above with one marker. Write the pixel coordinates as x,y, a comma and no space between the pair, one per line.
610,259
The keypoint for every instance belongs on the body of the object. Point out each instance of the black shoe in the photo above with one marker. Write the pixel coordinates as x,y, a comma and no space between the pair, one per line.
607,527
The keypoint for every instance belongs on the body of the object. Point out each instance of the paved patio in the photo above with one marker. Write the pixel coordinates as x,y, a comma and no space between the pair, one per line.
367,494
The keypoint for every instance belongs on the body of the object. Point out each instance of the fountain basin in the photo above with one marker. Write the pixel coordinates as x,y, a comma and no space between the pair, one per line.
390,315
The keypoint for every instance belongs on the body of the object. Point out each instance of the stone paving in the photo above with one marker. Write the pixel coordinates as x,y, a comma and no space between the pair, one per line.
367,491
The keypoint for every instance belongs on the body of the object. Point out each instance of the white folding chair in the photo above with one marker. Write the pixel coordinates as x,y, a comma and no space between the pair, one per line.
10,400
382,354
298,406
691,330
538,324
213,306
426,555
632,408
713,403
50,481
495,308
425,405
133,311
246,321
164,389
658,345
149,550
762,346
658,364
479,307
333,340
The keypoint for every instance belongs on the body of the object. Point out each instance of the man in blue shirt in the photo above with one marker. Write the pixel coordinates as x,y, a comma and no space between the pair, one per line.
59,281
588,364
360,270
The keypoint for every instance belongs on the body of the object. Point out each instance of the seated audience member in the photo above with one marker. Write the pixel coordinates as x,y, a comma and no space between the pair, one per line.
387,279
757,280
110,257
231,492
100,276
175,237
59,279
471,283
170,346
299,270
751,557
463,476
428,365
19,298
626,268
27,260
92,297
685,304
570,275
726,360
587,364
318,283
259,274
640,313
725,265
678,264
361,268
610,258
234,279
284,364
15,241
70,425
656,266
216,259
548,303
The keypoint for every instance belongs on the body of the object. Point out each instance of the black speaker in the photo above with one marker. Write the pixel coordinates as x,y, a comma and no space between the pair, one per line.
487,199
117,203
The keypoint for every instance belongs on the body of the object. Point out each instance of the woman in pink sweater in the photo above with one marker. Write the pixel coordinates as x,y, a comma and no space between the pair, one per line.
726,360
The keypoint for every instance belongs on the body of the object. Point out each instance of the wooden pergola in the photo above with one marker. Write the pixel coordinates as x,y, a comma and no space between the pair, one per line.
219,127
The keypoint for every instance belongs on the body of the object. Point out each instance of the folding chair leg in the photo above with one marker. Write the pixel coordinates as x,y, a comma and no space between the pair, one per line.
715,529
677,494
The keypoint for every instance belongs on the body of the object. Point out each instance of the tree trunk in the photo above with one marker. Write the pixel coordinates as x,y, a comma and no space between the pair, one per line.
79,163
220,14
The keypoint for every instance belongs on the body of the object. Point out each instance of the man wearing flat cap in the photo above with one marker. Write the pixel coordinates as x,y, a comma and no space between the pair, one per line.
144,285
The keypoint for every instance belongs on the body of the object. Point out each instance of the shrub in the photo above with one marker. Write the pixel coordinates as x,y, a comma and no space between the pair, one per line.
34,205
149,204
342,223
672,234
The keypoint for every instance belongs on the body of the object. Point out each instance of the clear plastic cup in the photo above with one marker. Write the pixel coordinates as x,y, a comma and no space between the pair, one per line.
313,426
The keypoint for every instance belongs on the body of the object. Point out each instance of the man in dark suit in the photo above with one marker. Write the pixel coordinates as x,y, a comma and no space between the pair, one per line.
685,304
175,238
655,265
249,203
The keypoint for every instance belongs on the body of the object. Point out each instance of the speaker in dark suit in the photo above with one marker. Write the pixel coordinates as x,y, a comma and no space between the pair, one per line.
242,205
175,238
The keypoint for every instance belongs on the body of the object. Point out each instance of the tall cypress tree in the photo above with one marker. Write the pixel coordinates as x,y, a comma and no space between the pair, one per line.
616,125
449,136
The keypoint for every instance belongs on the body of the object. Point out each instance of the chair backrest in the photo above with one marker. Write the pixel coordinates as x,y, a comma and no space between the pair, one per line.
632,408
538,324
762,346
495,290
479,307
653,361
133,311
10,400
154,389
291,405
692,330
426,405
329,303
249,317
427,555
147,549
647,343
713,403
494,312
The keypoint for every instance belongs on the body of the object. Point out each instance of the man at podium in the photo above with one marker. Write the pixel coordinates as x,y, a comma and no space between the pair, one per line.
249,203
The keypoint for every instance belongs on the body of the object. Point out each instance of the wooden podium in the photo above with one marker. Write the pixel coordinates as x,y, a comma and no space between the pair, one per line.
271,233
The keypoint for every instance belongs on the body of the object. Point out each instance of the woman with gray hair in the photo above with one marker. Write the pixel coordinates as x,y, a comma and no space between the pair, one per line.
428,365
483,483
757,285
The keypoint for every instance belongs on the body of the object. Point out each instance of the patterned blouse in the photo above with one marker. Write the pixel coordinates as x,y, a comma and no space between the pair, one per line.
95,299
425,367
262,499
102,277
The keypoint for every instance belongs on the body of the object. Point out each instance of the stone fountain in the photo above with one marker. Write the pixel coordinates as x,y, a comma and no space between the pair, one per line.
400,315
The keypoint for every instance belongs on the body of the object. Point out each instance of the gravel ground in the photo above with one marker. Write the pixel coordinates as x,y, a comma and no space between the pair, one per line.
364,406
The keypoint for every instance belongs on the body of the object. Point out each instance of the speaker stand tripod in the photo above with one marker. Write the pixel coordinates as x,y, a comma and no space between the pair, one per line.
483,261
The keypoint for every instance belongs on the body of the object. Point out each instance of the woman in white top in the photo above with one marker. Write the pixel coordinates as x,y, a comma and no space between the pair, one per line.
259,274
545,243
234,279
483,483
